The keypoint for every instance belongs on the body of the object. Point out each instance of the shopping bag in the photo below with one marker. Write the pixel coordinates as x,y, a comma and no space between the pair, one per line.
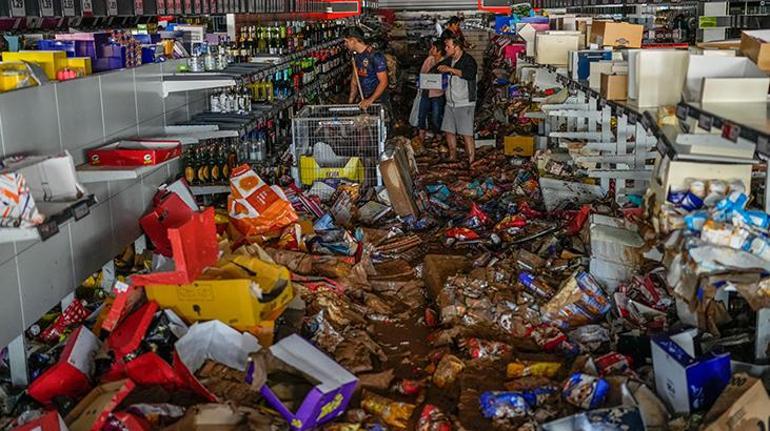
414,116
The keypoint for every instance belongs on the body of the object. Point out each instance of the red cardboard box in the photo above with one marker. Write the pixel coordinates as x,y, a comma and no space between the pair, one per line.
135,153
71,376
128,336
92,412
192,244
50,421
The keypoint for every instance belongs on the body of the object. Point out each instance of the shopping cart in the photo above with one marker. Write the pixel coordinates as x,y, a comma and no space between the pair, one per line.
338,142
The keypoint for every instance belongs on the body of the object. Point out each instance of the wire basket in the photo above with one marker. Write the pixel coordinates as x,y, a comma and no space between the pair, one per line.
338,142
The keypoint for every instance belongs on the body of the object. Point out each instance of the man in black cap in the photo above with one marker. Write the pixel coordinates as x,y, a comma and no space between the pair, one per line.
370,74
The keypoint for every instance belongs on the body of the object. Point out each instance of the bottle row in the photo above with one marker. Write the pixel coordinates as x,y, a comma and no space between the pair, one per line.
282,38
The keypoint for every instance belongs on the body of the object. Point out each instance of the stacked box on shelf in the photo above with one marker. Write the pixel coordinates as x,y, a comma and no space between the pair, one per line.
104,55
50,61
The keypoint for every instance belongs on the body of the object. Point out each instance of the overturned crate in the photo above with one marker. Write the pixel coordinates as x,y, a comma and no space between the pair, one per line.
336,142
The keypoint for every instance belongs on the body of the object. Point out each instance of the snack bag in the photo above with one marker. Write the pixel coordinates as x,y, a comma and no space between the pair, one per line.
254,206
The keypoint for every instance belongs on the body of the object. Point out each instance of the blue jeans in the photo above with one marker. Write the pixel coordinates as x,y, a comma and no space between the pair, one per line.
434,106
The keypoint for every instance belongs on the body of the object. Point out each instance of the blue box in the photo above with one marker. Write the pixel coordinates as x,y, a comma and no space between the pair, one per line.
581,62
685,382
505,25
67,46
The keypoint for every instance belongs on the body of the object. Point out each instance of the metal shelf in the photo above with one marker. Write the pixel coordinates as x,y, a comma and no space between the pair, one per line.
99,174
749,121
209,190
59,213
192,82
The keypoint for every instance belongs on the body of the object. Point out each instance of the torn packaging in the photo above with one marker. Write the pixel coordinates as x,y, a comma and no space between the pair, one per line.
742,406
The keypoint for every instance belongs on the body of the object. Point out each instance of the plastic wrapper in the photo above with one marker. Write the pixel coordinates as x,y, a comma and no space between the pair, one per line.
510,405
532,368
254,206
17,206
409,387
580,301
590,337
433,419
393,413
478,348
477,218
614,363
323,334
462,234
74,314
535,285
447,370
585,391
291,239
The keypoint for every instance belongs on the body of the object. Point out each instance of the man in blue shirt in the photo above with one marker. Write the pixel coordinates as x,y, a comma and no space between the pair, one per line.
372,70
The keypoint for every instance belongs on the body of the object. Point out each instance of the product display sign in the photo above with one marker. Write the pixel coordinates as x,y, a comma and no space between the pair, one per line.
68,7
46,7
139,7
87,7
112,7
17,8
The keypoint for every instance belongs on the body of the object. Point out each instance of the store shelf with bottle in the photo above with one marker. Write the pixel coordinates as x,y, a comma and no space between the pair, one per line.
259,37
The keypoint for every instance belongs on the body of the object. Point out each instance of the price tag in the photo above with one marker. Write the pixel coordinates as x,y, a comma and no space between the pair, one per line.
18,8
178,7
68,7
762,144
198,7
632,118
87,7
46,7
704,122
139,7
645,122
160,5
731,131
681,112
80,211
47,230
188,6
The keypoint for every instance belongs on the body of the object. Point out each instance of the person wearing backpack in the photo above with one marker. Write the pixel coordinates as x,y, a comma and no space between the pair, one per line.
370,72
460,107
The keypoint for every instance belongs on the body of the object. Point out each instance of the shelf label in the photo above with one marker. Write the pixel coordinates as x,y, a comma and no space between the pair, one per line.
80,211
681,112
139,7
47,230
177,7
707,22
87,7
68,7
18,8
198,7
762,144
112,7
160,7
731,131
704,122
46,7
187,6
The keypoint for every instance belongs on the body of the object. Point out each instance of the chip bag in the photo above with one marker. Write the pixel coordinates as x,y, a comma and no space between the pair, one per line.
254,206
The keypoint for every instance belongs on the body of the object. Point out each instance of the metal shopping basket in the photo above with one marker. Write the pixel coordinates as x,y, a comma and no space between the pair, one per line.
338,142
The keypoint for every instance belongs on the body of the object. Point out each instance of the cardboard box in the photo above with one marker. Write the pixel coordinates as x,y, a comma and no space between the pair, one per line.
37,172
522,146
50,61
135,153
756,45
616,250
743,405
92,412
656,77
527,33
439,267
190,237
50,421
617,34
226,292
82,65
580,65
326,400
667,174
71,375
735,90
310,170
614,87
595,71
433,81
397,178
685,382
701,67
209,417
554,48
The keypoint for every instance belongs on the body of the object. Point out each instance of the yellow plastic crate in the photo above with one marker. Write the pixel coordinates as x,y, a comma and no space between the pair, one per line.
50,61
310,171
229,293
80,64
11,78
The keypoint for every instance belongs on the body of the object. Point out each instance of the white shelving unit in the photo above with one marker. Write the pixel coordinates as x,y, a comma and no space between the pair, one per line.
191,82
99,174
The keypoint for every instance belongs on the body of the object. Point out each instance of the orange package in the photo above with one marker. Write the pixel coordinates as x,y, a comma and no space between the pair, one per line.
256,207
